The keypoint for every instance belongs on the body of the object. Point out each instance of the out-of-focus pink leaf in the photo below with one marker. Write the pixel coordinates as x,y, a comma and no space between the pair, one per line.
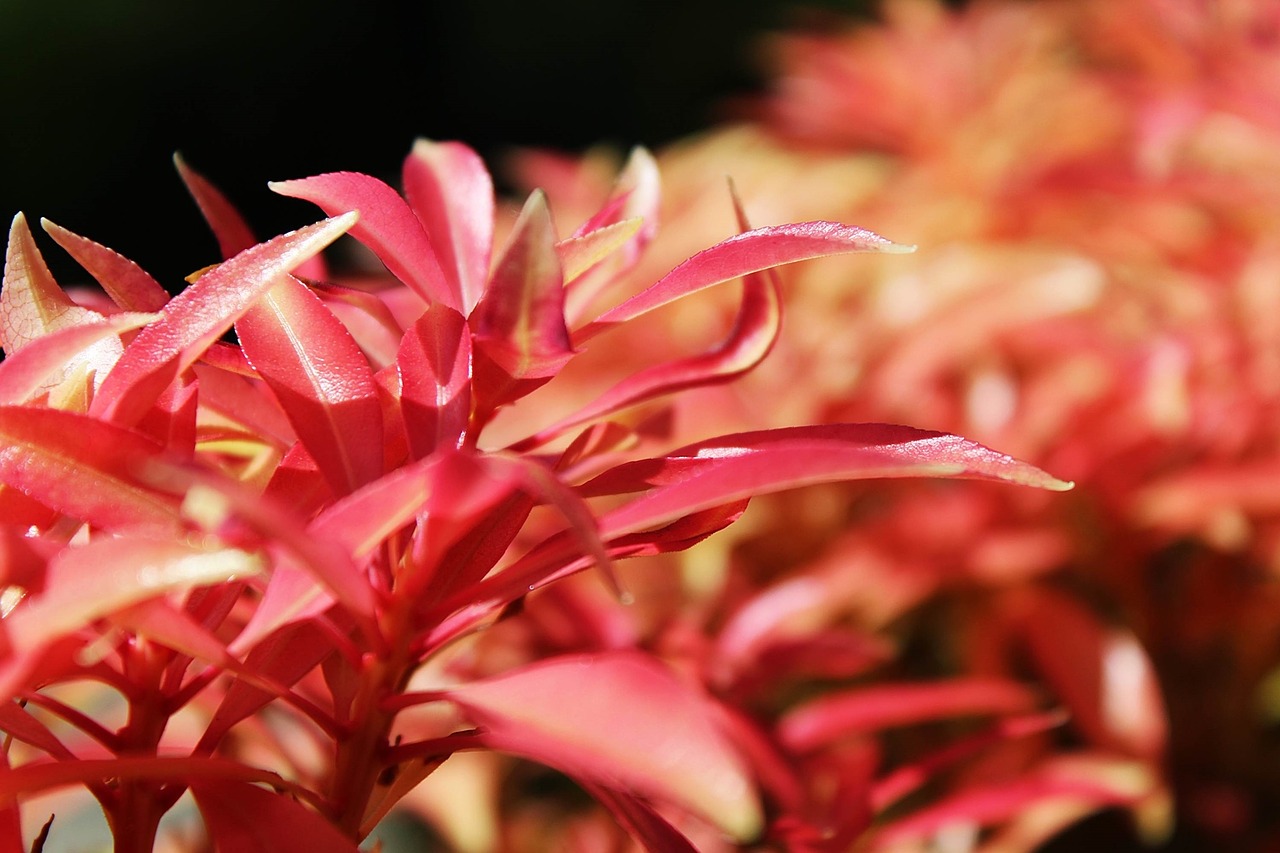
622,721
449,188
23,558
160,622
868,709
640,820
581,253
247,818
322,380
744,465
82,467
95,580
519,323
761,249
20,725
909,778
387,226
31,303
228,226
36,776
129,285
992,804
42,363
195,318
1103,675
636,197
434,365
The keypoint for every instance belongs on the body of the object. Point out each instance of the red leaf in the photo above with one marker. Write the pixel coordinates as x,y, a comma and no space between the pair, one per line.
83,468
129,285
449,189
744,465
387,226
248,819
434,366
741,255
282,658
198,316
630,724
519,323
228,226
31,303
323,382
869,709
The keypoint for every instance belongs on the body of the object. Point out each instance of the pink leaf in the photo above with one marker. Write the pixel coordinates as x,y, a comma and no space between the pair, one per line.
755,330
198,316
83,468
449,189
990,804
519,323
434,365
31,303
228,226
322,380
248,819
869,709
128,285
741,255
387,226
44,361
1103,675
628,724
744,465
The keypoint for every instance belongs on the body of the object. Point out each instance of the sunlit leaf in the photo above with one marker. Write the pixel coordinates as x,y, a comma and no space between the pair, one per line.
198,316
387,226
31,302
448,187
323,382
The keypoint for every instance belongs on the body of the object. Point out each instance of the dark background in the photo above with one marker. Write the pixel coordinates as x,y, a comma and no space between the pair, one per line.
98,96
